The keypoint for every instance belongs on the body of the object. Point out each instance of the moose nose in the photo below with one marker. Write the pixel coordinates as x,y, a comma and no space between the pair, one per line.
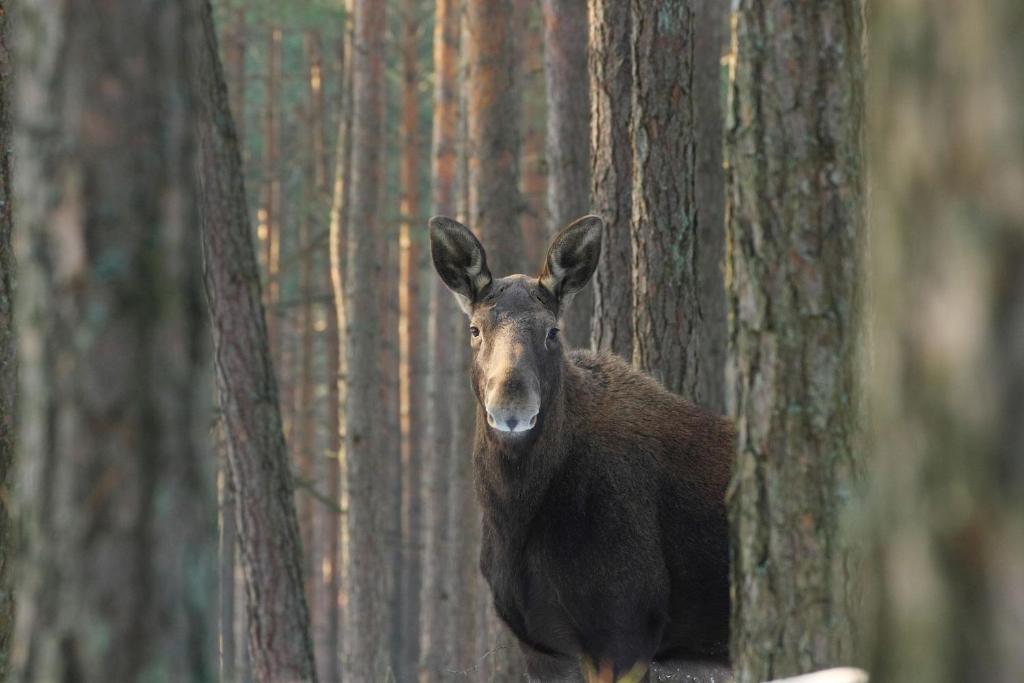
512,421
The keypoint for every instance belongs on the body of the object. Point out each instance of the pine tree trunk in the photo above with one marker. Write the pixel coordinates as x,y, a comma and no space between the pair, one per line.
568,139
279,645
369,615
674,338
528,26
796,223
412,339
610,63
438,588
8,343
947,382
117,481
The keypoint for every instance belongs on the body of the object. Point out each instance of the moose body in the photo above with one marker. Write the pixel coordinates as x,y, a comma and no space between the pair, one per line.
605,537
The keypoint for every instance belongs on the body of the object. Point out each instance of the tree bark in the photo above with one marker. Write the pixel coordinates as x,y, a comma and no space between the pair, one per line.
8,344
674,338
438,588
117,490
413,349
369,615
610,64
528,26
947,382
796,223
227,559
568,139
271,554
493,129
269,231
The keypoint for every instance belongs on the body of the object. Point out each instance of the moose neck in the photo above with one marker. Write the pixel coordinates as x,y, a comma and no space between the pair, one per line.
512,476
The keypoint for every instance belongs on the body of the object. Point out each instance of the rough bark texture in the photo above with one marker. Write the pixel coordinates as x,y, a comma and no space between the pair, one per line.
947,382
796,220
226,559
412,339
8,343
368,627
568,139
610,63
268,536
438,587
116,484
493,129
495,206
674,338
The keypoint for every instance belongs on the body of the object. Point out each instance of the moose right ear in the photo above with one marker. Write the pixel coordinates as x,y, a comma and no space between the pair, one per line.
459,259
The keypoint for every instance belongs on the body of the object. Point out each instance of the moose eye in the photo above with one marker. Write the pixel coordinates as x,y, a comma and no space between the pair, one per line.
553,334
475,331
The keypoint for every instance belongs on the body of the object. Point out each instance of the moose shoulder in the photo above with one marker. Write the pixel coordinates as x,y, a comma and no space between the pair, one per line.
605,538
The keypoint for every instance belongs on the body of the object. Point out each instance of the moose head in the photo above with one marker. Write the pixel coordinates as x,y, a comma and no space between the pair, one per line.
513,321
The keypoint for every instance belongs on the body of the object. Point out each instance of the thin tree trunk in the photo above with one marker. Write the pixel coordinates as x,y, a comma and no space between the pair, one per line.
369,610
117,483
438,588
412,338
530,40
493,118
610,64
8,343
271,554
270,223
674,338
796,220
947,386
568,139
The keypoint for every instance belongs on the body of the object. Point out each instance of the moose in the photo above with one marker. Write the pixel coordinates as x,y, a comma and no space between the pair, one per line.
605,536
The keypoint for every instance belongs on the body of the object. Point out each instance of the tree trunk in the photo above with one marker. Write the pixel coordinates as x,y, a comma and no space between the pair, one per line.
268,534
369,610
947,384
493,119
413,347
234,66
8,342
117,488
674,338
796,223
528,26
610,63
270,223
227,558
438,587
568,139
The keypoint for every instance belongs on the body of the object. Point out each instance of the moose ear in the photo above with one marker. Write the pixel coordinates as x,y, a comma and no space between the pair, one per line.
572,258
459,259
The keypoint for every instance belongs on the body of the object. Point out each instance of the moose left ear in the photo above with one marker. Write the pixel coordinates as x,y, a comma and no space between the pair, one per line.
572,258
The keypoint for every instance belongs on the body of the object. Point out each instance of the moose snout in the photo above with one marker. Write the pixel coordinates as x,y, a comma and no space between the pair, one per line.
512,406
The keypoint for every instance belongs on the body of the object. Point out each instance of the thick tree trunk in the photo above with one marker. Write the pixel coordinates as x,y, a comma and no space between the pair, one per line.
413,347
117,488
268,534
610,62
796,223
674,338
493,121
568,139
438,588
947,384
528,26
8,343
369,614
227,559
234,65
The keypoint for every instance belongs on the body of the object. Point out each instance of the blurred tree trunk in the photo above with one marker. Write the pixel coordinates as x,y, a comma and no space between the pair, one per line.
271,553
8,342
795,229
947,384
610,63
438,587
270,222
674,337
413,346
234,65
495,203
369,629
495,206
568,139
117,489
528,26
